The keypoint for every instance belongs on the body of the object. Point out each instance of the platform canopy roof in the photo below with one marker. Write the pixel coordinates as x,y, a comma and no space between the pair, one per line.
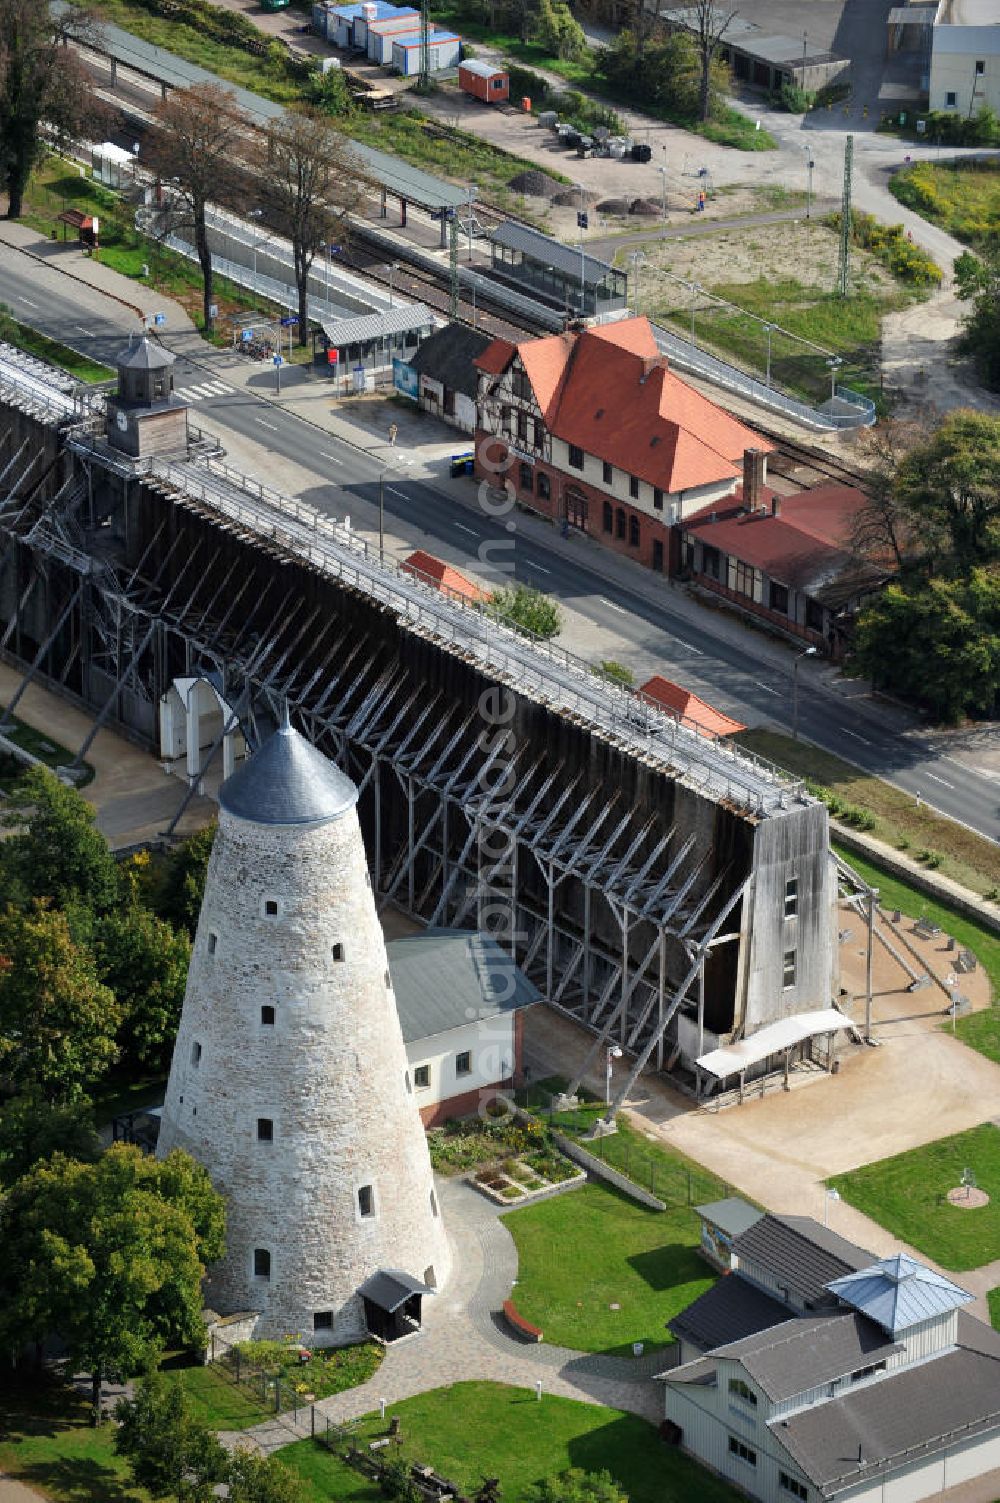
733,1059
405,318
544,251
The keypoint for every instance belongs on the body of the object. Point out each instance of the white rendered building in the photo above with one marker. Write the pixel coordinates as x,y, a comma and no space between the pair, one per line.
289,1079
965,57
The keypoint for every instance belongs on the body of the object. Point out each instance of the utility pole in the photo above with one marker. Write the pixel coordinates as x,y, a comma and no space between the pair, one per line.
454,265
844,262
425,46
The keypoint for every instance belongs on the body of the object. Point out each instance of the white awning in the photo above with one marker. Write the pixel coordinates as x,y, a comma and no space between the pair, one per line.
732,1059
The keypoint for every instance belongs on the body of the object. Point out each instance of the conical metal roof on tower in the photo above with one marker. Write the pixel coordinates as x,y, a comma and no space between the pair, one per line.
288,782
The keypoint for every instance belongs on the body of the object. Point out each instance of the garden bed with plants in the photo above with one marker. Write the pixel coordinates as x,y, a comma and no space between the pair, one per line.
293,1374
515,1181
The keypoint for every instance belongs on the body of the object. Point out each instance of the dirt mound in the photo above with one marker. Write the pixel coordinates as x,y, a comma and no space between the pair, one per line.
570,197
614,206
536,184
643,206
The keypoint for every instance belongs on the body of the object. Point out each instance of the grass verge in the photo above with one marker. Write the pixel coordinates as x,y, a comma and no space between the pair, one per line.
47,1442
962,197
597,1272
907,1195
39,745
646,1161
214,1400
993,1299
968,858
470,1430
50,350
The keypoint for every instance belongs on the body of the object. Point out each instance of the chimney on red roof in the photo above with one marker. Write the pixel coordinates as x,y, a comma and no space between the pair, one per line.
776,506
650,363
754,461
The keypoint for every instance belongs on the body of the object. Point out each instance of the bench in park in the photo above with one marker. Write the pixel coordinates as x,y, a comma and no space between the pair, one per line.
518,1323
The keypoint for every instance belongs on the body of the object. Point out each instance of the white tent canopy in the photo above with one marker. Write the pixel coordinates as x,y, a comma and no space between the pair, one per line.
733,1059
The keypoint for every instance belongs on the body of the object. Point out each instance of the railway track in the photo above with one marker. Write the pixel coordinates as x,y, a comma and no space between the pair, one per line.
808,466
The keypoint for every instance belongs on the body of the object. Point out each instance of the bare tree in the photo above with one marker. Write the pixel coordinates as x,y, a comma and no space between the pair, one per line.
313,182
709,21
41,81
879,531
200,136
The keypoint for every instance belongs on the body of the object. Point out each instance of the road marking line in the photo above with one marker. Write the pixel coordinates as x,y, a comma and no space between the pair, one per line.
331,457
537,567
470,530
22,299
89,332
612,606
854,736
696,650
942,781
767,688
265,424
394,491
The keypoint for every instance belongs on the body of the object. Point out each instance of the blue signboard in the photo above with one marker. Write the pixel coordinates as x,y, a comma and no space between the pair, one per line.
405,379
288,321
246,335
277,360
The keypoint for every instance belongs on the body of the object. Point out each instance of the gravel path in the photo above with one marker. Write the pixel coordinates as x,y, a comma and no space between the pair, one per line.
463,1338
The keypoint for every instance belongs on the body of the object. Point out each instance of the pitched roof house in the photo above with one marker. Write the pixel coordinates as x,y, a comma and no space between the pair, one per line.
815,1371
601,433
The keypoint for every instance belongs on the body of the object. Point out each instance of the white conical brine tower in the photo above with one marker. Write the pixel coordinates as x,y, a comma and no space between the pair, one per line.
289,1079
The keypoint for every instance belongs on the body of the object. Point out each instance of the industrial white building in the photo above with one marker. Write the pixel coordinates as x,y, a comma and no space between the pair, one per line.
965,57
289,1079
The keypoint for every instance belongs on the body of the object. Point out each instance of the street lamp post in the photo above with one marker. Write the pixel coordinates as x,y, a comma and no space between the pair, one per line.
695,289
663,192
769,328
473,194
827,1198
381,515
613,1053
255,214
810,652
810,164
637,259
834,365
393,268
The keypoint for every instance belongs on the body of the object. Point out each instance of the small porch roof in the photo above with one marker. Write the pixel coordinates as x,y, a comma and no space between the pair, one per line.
390,1288
733,1059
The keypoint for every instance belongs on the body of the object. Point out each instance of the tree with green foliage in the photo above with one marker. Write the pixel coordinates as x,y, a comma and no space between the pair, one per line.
145,963
110,1256
709,21
977,282
949,487
558,33
55,850
33,1129
184,880
168,1451
663,73
578,1486
937,642
261,1479
41,80
58,1022
528,610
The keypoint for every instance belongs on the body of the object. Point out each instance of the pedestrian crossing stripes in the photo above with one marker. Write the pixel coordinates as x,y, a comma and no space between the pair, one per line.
204,390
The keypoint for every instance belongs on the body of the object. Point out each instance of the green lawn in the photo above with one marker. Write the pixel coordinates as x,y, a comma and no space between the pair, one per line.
39,745
474,1429
47,1441
900,821
985,943
215,1400
582,1252
993,1297
647,1161
963,198
906,1195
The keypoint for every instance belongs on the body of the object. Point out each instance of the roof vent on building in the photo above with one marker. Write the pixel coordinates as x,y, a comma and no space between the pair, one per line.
654,440
713,516
599,413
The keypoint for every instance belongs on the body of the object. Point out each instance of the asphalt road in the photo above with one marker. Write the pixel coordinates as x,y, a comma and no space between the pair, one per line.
737,666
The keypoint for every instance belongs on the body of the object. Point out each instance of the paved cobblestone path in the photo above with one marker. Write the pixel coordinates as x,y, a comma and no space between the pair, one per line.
464,1337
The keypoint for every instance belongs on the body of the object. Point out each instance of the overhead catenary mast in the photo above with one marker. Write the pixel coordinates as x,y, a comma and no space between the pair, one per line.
844,260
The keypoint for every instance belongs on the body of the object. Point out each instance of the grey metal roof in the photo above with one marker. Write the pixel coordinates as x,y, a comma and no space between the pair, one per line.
287,782
445,978
730,1311
899,1293
732,1216
906,1416
144,356
389,172
803,1353
399,320
390,1288
800,1255
447,356
548,252
480,69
